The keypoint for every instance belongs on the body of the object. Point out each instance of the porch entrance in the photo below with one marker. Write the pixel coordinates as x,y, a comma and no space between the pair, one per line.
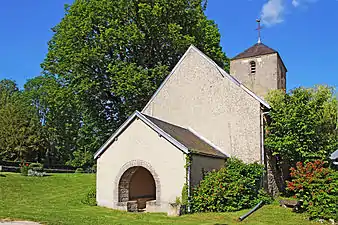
137,184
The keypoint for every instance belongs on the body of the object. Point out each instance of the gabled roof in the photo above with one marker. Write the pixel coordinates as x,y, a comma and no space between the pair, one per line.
221,71
183,139
190,139
255,50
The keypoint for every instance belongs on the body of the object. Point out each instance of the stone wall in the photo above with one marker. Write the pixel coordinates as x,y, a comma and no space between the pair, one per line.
277,174
270,73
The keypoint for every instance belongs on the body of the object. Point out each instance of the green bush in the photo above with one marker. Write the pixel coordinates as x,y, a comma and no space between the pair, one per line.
264,197
90,197
38,167
317,186
32,170
185,195
24,169
79,170
235,187
94,168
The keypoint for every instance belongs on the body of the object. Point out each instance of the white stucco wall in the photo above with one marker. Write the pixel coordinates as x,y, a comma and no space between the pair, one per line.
202,163
140,142
198,96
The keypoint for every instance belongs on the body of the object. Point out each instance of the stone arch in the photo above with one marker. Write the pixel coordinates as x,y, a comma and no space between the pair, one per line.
122,181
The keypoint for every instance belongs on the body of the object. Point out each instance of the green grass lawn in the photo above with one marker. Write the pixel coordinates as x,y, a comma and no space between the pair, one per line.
56,199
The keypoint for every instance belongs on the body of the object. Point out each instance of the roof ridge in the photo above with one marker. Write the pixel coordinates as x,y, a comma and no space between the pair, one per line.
166,134
181,134
156,118
207,141
255,50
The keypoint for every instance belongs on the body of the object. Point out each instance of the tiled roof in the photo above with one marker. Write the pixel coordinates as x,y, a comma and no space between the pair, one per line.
194,143
184,139
255,50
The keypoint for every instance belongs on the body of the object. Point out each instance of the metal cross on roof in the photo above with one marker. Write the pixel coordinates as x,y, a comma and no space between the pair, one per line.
259,28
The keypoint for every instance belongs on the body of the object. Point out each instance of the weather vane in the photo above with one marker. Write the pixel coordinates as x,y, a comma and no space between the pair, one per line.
259,28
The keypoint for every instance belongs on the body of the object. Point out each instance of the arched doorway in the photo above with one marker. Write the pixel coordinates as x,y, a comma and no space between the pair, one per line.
137,184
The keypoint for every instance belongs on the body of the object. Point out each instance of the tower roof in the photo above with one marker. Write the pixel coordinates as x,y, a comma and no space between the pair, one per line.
255,50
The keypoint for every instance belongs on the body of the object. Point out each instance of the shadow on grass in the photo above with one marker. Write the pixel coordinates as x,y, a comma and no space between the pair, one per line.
45,175
220,224
2,175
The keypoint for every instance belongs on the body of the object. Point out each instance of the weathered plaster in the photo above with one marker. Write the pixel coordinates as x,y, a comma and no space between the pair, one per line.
198,96
202,164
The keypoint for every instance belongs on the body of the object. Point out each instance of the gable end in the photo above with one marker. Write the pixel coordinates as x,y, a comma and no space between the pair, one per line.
219,69
125,125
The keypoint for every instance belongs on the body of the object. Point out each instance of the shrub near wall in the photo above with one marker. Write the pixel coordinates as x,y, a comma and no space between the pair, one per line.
317,186
235,187
90,197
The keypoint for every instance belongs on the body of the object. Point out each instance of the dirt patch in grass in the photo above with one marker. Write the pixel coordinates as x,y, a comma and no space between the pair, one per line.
9,222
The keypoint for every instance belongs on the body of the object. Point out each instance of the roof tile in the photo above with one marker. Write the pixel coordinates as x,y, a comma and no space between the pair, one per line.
187,138
255,50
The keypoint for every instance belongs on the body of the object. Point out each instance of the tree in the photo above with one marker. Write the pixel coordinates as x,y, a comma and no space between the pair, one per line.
303,124
20,133
113,55
8,88
58,112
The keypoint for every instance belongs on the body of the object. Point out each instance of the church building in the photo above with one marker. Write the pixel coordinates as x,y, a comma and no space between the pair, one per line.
198,117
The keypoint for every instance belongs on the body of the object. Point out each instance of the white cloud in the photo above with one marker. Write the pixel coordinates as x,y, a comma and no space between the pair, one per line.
295,3
272,12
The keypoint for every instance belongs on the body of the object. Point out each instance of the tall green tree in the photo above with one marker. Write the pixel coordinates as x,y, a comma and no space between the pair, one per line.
21,137
113,54
303,124
60,116
8,89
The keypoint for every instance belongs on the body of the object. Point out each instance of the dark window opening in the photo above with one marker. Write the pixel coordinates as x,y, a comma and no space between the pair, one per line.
252,67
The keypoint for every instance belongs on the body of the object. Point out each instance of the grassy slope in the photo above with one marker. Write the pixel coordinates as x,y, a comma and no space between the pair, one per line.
56,200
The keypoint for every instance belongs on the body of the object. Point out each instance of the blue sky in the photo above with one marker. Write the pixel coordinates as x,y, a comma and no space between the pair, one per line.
305,32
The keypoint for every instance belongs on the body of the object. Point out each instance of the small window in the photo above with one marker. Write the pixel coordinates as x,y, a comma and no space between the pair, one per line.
252,67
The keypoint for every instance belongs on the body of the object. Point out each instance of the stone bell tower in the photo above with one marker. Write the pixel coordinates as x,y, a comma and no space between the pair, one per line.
260,68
